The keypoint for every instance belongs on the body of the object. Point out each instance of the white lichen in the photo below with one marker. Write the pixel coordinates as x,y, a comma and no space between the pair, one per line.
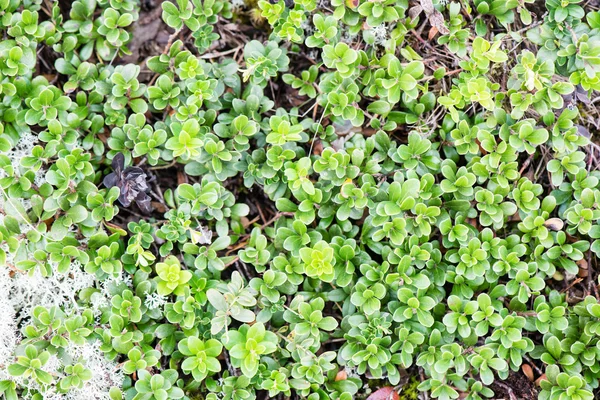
155,300
381,34
9,336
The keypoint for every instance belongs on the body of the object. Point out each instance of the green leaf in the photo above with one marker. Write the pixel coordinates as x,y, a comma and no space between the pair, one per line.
77,213
217,300
379,107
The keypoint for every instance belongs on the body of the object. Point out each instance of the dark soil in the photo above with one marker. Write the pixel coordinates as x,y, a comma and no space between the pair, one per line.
516,387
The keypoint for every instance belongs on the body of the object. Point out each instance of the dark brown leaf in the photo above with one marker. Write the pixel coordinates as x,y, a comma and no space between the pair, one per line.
158,206
583,268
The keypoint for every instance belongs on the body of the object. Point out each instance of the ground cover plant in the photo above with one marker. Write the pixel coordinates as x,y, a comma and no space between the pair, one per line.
302,199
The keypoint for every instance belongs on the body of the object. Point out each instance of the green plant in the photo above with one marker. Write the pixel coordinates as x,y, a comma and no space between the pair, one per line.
159,386
201,357
299,199
29,366
248,344
171,278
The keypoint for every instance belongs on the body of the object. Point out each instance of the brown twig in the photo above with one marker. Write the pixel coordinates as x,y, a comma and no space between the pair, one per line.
575,282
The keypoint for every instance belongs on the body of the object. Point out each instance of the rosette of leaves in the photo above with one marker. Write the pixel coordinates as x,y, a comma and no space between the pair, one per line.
248,344
200,357
171,278
131,182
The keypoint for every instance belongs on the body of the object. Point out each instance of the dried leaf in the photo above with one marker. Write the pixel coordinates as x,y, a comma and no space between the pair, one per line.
415,11
160,207
385,393
203,236
245,222
555,224
583,131
515,218
436,19
583,268
427,6
232,27
318,148
582,95
527,371
432,32
181,177
143,202
541,378
341,376
131,182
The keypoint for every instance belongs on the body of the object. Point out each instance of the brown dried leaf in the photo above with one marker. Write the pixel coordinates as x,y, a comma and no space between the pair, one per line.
181,178
341,376
160,207
318,147
368,132
527,371
541,378
583,268
473,222
555,224
432,32
245,222
481,149
385,393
